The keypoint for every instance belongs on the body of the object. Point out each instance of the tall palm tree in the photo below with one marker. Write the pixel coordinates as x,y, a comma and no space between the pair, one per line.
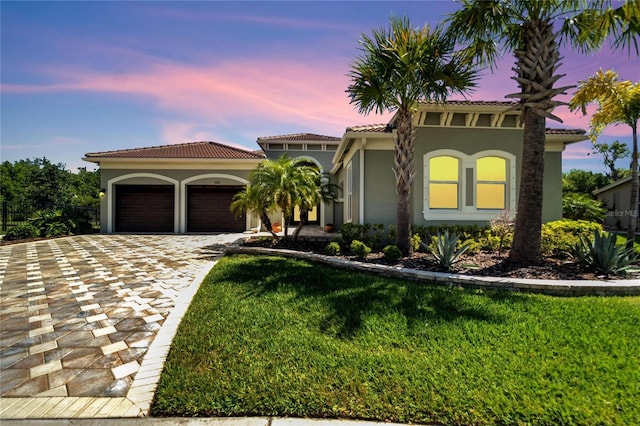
618,103
526,27
287,183
400,67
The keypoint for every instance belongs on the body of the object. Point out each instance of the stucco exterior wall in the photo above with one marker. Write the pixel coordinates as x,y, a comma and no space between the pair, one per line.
618,202
179,178
380,195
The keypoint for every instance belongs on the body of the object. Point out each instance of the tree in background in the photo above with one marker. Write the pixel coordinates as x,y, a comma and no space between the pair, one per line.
47,185
526,28
400,67
610,154
584,182
618,103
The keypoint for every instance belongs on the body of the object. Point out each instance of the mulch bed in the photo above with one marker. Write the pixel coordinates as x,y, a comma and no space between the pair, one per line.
480,264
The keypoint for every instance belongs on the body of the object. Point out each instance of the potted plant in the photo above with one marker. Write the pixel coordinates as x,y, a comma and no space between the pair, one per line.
328,227
277,227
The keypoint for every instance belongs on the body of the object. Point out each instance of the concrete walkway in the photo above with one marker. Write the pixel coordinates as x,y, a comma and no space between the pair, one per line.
86,321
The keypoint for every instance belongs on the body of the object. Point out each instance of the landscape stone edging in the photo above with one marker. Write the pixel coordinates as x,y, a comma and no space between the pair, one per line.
550,287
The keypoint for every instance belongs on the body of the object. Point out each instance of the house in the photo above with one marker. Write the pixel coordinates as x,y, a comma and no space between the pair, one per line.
467,162
617,197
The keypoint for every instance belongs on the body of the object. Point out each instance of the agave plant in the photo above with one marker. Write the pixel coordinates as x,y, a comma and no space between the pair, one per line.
603,255
446,250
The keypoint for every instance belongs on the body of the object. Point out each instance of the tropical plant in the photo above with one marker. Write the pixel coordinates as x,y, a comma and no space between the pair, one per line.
400,67
446,249
618,103
583,207
603,255
52,223
559,236
287,183
249,200
526,28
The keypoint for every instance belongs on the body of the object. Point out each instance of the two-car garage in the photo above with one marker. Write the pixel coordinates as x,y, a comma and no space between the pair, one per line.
152,208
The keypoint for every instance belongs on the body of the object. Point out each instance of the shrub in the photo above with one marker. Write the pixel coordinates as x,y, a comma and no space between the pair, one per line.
582,207
52,223
332,249
502,228
446,249
603,255
374,235
392,253
359,249
21,232
560,236
415,242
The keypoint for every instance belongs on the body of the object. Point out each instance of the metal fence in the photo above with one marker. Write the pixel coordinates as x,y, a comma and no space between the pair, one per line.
17,213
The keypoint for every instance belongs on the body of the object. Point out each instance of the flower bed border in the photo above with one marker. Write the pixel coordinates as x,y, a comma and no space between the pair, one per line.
550,287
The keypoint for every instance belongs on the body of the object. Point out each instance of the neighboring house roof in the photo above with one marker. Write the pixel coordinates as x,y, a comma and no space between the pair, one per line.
300,137
612,185
195,150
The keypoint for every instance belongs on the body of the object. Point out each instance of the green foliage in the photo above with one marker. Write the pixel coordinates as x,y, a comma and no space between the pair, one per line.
603,255
392,253
416,241
269,336
359,249
446,249
21,232
560,236
610,154
502,229
582,207
582,181
53,223
373,235
332,249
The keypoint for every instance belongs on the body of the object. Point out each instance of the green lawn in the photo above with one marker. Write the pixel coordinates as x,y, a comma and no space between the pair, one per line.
272,336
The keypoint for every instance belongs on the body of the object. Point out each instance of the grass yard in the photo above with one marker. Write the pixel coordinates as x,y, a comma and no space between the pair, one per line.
272,336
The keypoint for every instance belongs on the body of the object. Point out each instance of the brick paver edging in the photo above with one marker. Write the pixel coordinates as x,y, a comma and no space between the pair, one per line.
551,287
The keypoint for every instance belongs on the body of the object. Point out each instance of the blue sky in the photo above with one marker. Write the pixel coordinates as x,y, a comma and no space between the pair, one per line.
80,77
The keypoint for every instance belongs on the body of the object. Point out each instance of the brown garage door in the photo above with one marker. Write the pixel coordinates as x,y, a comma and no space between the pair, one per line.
208,209
144,208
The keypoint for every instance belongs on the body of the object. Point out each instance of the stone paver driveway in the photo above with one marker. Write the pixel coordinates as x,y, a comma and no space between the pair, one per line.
79,315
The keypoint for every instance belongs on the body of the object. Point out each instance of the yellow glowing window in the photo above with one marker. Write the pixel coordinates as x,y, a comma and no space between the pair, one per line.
443,182
491,183
312,216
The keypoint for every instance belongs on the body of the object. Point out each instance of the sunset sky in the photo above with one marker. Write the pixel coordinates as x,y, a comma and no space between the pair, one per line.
80,77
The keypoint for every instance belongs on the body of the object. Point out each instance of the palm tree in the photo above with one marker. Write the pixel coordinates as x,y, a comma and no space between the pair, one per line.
400,67
250,200
618,103
287,183
526,27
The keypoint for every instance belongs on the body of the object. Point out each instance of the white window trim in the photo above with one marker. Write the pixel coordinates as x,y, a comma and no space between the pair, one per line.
464,212
348,205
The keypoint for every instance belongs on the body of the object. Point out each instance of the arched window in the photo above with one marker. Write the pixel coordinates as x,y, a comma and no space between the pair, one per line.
491,183
444,182
468,187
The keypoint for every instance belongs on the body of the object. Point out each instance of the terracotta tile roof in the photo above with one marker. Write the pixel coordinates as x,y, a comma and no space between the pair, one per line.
382,128
201,150
475,103
549,131
299,137
375,128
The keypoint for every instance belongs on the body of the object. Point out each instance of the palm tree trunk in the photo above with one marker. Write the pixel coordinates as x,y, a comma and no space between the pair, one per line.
633,214
264,217
526,236
403,167
303,221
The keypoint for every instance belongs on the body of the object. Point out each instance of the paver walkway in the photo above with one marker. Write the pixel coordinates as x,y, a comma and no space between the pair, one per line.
79,315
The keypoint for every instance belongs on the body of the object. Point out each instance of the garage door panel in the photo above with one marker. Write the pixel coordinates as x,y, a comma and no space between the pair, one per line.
144,208
209,209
